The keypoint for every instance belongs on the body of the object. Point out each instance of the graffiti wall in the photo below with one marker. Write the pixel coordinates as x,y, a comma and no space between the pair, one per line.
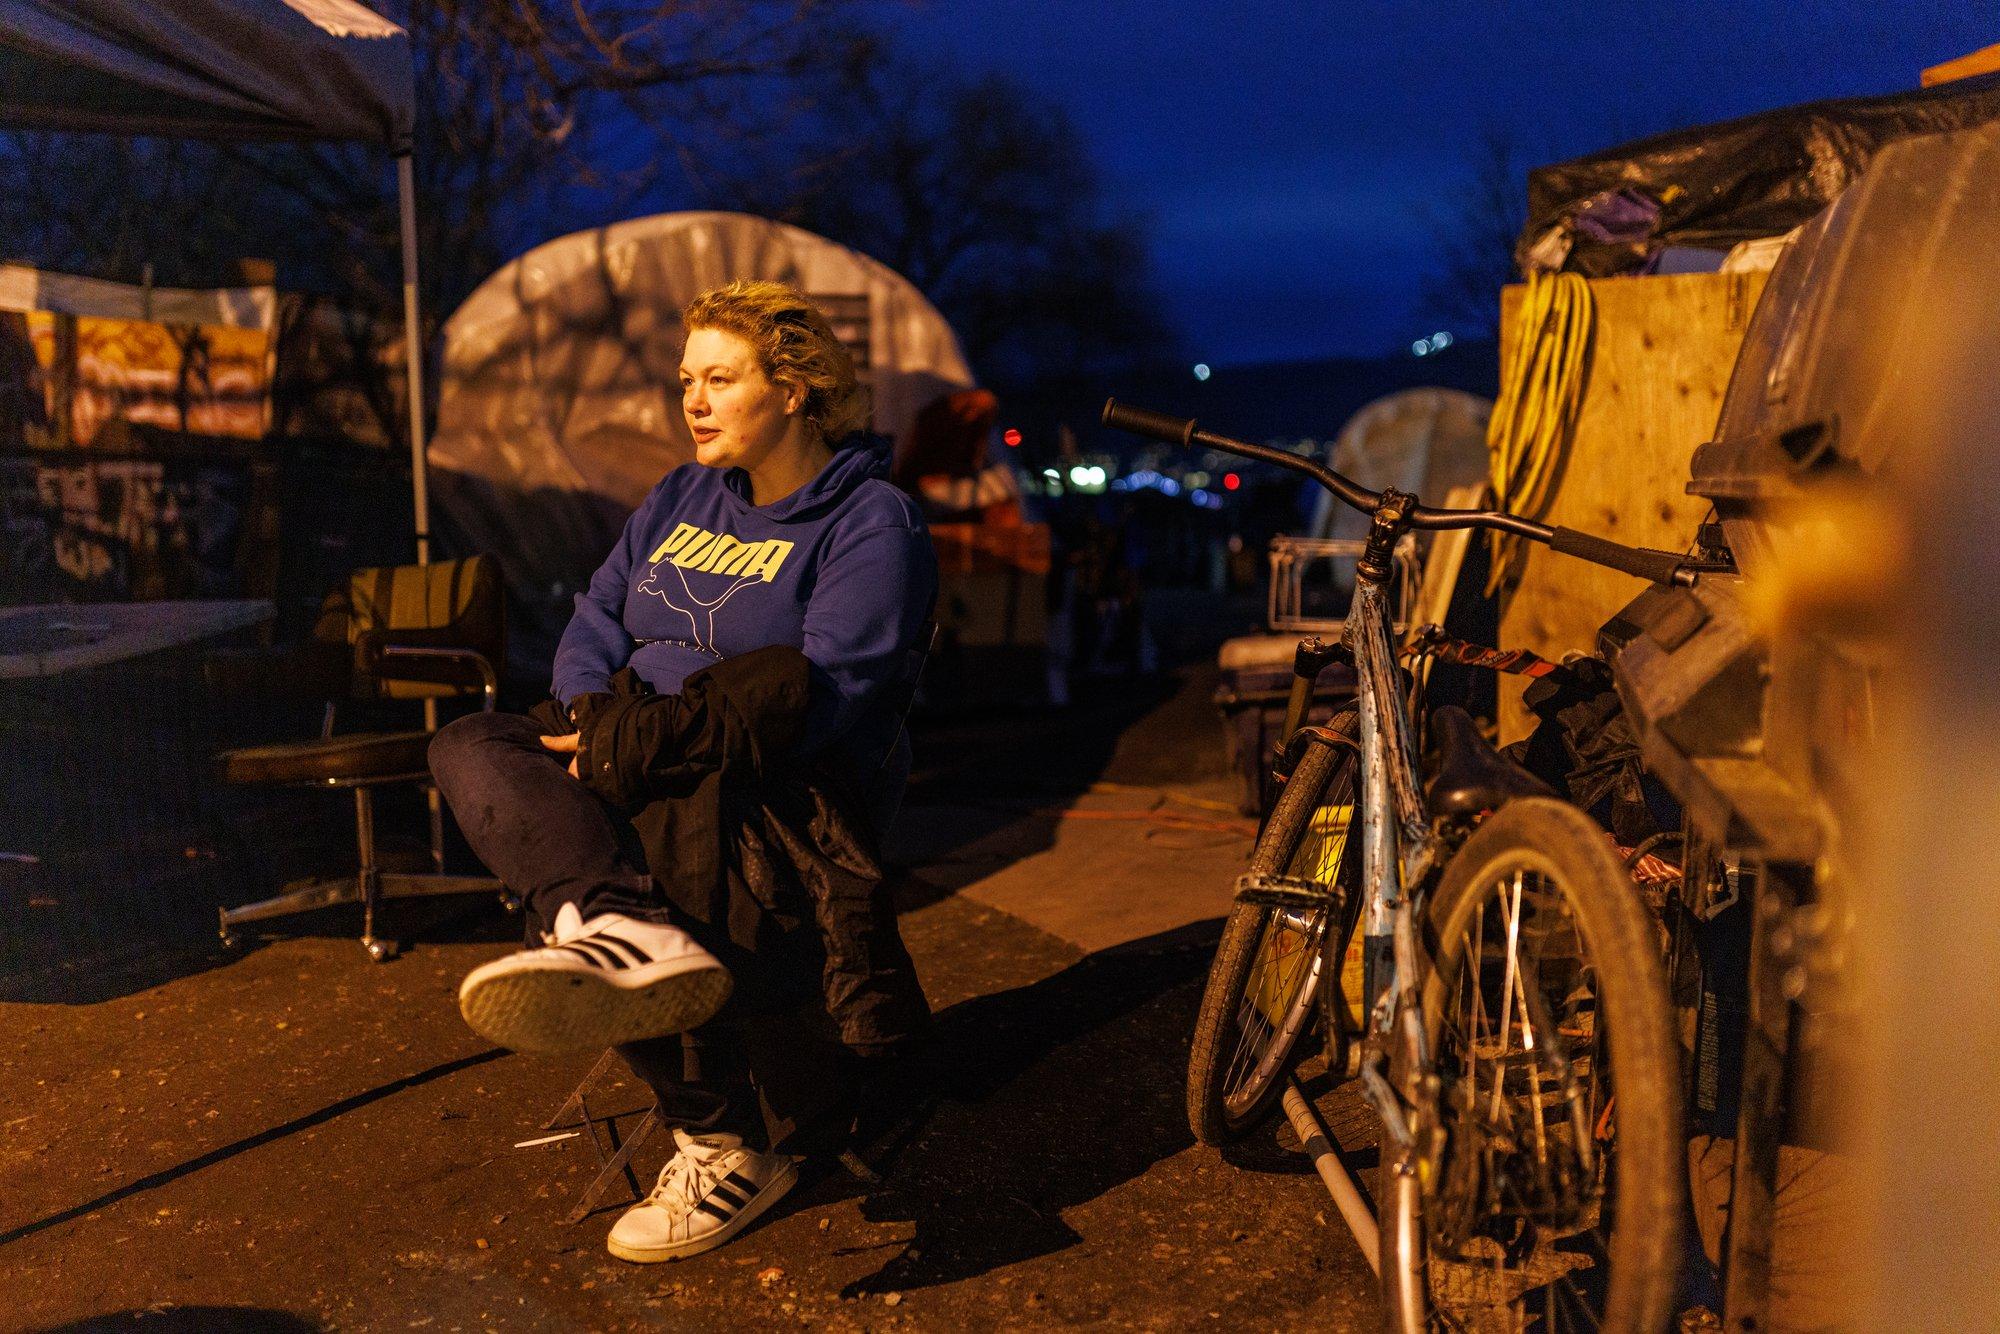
80,528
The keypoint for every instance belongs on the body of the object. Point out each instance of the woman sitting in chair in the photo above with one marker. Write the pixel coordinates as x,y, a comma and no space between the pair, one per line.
692,820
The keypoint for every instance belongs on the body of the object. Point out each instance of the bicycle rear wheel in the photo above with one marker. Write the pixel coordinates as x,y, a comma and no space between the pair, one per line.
1556,1203
1261,998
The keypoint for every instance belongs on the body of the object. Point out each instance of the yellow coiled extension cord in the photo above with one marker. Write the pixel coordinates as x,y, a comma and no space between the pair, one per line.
1541,393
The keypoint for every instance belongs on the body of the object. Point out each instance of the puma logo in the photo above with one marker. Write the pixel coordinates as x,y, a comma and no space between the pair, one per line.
695,548
689,549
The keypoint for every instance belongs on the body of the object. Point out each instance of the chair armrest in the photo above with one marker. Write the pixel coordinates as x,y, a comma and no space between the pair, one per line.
314,670
388,656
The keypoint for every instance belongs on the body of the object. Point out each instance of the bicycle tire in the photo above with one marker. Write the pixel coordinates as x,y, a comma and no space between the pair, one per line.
1224,1099
1614,999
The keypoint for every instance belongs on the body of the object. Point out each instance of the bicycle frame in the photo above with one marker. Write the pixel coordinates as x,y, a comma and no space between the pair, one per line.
1397,845
1398,850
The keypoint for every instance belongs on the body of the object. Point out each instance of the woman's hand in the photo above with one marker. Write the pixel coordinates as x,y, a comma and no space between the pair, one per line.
565,745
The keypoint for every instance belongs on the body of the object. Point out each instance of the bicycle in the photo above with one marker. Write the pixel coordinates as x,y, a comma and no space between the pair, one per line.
1505,964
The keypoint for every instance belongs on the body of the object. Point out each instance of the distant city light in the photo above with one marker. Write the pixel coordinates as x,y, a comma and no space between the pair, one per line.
1011,438
1440,341
1147,479
1422,347
1052,474
1201,370
1230,481
1087,475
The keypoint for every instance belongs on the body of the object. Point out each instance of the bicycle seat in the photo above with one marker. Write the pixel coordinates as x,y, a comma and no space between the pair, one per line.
1469,775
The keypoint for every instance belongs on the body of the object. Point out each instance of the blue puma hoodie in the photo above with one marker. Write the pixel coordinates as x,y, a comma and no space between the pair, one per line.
841,569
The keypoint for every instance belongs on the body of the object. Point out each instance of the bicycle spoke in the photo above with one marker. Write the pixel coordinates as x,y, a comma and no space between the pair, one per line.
1276,1002
1513,919
1478,1019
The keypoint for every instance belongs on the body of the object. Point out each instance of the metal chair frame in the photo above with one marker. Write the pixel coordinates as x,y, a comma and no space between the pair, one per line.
370,885
613,1149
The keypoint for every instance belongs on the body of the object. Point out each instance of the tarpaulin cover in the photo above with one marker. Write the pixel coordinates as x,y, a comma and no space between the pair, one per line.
212,69
182,359
1716,185
1875,337
25,288
560,401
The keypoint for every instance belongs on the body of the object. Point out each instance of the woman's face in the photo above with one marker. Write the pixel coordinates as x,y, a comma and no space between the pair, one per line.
738,415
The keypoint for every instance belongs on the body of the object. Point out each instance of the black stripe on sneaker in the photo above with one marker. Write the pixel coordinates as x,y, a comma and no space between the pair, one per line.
638,956
734,1199
597,954
708,1206
741,1184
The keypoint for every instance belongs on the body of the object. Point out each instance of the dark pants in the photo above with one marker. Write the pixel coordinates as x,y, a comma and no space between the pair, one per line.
768,1065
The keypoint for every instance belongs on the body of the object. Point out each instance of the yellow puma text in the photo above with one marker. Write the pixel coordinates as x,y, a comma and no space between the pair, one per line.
695,548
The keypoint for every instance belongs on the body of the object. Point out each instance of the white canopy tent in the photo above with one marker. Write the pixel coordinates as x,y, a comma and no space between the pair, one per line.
227,69
559,401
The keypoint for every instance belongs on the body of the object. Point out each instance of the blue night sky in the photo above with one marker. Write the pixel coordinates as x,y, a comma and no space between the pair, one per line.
1294,159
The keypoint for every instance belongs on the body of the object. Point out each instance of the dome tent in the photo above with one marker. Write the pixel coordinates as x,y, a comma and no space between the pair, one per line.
1428,441
559,403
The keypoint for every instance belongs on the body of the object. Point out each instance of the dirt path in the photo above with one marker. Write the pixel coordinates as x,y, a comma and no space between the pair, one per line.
295,1138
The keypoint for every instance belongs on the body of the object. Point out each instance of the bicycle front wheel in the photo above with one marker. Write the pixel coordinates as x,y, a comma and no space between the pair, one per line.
1556,1202
1262,991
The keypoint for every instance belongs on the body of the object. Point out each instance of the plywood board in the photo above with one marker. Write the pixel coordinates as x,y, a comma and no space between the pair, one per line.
1983,61
1661,353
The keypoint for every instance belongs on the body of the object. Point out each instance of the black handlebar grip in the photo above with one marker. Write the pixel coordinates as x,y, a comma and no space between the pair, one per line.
1658,566
1146,422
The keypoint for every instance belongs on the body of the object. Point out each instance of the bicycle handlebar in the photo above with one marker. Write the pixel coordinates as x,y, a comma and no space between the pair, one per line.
1661,567
1182,431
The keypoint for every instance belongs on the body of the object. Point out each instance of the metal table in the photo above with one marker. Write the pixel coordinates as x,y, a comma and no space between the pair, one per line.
104,791
47,641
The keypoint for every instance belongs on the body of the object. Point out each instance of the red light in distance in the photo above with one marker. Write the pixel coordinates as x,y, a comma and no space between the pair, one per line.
1230,481
1011,438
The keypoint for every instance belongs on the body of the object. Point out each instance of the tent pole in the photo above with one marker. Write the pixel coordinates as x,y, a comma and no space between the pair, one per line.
413,356
406,190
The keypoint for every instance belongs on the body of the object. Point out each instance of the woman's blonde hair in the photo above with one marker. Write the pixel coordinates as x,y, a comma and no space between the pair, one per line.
795,345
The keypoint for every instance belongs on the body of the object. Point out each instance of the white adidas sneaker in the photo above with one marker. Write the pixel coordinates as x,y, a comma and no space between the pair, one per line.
598,983
709,1191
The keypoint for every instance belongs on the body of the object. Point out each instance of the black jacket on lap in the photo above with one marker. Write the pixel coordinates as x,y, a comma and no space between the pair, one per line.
743,837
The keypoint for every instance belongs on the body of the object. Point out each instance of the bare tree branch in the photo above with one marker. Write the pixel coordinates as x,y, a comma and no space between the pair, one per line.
518,102
1475,236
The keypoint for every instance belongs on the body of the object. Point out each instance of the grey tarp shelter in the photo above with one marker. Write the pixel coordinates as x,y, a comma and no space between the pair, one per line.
227,69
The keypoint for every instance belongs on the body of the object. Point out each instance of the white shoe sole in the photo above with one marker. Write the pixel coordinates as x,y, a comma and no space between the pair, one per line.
773,1191
537,1008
